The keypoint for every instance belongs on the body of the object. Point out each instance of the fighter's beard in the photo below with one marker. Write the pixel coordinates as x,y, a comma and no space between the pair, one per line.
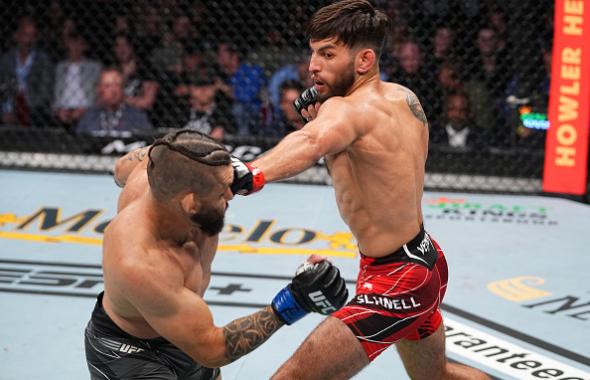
210,220
342,84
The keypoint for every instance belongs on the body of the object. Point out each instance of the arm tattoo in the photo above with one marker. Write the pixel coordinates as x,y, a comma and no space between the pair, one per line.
245,334
416,108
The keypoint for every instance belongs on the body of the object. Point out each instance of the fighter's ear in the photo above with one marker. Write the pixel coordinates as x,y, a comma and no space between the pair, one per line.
190,203
365,59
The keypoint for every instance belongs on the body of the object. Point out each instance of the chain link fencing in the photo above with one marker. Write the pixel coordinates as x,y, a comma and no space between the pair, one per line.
82,82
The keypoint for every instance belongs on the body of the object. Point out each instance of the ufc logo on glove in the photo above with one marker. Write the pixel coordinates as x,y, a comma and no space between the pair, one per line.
321,302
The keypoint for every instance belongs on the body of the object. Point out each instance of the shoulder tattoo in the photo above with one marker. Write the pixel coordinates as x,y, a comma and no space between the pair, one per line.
139,154
416,107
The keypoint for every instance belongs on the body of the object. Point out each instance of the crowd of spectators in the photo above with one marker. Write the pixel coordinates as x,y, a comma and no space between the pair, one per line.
139,66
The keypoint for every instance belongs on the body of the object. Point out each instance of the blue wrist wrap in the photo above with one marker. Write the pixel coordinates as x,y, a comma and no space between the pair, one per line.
286,307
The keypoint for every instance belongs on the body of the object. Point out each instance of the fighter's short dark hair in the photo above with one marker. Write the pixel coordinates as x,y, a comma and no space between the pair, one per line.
355,23
182,161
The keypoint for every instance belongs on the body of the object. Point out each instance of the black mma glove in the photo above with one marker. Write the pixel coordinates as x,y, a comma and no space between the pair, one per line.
316,288
248,179
307,97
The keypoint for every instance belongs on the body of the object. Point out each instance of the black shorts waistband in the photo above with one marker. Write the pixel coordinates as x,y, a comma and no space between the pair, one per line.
105,324
419,250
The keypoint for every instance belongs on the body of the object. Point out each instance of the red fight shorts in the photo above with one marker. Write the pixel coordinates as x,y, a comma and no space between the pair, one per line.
397,296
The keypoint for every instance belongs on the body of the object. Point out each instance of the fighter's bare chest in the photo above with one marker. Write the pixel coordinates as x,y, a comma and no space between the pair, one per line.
195,262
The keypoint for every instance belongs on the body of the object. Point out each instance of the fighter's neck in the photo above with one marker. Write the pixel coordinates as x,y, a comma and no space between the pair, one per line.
363,81
168,221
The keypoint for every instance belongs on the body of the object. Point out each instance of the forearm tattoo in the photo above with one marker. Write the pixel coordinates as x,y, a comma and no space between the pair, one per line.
416,107
245,334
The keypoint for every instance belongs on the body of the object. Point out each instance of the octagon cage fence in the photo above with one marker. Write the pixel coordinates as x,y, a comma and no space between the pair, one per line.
82,82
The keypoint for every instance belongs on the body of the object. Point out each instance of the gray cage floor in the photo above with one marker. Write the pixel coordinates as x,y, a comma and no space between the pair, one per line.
518,274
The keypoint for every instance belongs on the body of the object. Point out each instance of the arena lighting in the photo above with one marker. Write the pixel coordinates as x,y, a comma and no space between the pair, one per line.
533,120
540,123
528,118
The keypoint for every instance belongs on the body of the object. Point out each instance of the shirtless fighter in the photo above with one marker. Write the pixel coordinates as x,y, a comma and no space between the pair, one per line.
151,321
374,137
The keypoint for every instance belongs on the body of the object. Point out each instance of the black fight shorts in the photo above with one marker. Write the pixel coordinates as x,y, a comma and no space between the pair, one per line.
113,354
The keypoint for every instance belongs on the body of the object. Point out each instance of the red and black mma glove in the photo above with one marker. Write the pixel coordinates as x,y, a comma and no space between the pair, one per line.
248,178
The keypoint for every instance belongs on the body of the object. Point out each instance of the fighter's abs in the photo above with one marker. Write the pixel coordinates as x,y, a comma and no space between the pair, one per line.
381,214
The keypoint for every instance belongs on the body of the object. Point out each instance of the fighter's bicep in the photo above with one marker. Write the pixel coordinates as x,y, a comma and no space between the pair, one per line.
189,326
179,315
335,127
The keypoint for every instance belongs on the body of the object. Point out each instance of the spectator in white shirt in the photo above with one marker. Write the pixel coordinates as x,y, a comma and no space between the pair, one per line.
458,130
